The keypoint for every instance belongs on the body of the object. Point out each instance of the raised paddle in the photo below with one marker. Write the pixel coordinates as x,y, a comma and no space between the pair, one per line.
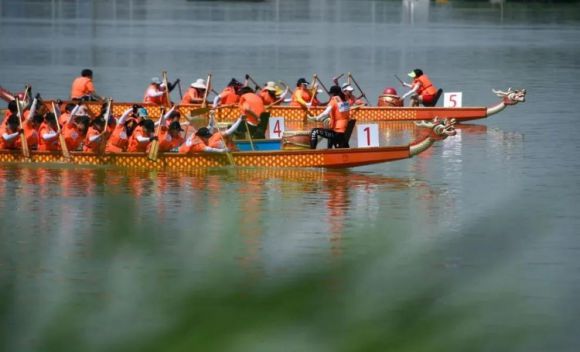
336,78
180,92
322,85
400,80
107,114
23,141
207,88
63,146
360,90
167,97
248,77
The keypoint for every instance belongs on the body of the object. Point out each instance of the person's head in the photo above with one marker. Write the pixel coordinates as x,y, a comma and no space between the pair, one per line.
142,114
156,81
50,119
98,124
174,129
270,87
174,116
148,126
130,125
13,122
82,124
335,91
12,107
203,133
234,83
416,73
245,90
302,83
347,89
36,121
69,107
87,73
199,84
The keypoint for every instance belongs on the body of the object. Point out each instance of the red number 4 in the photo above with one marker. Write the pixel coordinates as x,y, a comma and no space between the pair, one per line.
277,129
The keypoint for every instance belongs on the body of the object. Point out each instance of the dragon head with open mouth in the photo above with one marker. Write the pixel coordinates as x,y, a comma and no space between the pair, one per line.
511,96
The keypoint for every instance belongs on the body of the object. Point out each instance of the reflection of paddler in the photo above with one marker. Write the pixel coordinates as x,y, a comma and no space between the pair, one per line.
390,98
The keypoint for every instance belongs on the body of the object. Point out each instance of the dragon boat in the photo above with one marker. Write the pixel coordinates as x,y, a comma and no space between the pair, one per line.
317,158
294,114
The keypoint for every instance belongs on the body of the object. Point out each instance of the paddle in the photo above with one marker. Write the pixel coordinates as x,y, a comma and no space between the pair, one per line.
323,86
335,79
400,80
167,97
207,88
180,92
249,135
360,90
154,147
251,79
107,114
63,146
23,141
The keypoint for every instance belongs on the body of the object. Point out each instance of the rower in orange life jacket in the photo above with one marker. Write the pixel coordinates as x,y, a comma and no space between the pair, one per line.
75,128
9,133
422,90
83,88
48,135
170,134
195,93
348,92
155,92
229,95
302,96
338,110
268,94
96,136
119,140
140,139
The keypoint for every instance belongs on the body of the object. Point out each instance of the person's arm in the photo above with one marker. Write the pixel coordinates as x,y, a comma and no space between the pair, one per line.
323,115
412,91
214,150
8,137
49,136
216,100
234,127
155,93
32,110
143,139
123,117
95,137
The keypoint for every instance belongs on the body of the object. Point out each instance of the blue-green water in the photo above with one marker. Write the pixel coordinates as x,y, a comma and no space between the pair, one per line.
471,246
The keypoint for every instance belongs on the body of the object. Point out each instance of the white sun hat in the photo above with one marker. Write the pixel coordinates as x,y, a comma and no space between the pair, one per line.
348,87
271,86
200,83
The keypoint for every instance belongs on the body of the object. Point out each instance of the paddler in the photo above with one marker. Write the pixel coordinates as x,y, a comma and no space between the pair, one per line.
422,90
83,89
155,92
338,109
195,93
9,133
140,139
96,136
268,93
119,140
229,95
302,96
75,129
197,142
348,92
48,135
252,107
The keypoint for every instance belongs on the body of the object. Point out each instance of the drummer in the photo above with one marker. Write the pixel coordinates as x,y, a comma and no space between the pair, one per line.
338,109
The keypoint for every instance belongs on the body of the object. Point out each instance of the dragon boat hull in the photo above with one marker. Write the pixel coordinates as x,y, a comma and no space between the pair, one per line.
333,158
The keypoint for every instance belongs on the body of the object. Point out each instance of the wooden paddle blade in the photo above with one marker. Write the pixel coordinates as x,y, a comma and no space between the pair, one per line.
154,150
199,111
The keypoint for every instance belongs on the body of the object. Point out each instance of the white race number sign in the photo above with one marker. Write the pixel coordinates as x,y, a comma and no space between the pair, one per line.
275,127
367,135
453,99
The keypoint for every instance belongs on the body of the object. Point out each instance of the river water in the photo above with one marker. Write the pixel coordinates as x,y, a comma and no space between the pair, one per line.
473,245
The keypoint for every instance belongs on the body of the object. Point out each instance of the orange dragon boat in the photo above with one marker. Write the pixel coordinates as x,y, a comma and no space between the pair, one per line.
320,158
361,113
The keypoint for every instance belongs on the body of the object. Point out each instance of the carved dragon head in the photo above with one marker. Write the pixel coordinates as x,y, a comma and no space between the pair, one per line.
511,97
440,128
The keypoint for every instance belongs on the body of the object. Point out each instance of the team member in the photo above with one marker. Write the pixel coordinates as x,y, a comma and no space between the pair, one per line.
195,93
252,107
170,137
75,129
229,95
339,111
268,93
155,92
222,140
82,87
348,92
48,135
96,136
197,142
140,138
422,90
9,133
119,140
302,96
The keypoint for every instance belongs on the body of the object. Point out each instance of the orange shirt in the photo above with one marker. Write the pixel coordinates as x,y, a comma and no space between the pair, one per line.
119,141
266,97
229,96
46,145
196,145
166,142
92,147
192,96
63,119
252,102
425,85
134,145
72,137
302,93
339,114
81,86
31,135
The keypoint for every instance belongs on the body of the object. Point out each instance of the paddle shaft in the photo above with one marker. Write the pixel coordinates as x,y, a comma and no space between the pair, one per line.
207,88
107,114
154,147
358,87
251,79
249,135
323,86
180,91
63,146
23,141
400,80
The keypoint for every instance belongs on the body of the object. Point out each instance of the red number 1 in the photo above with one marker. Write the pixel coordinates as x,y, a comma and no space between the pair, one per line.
368,131
277,129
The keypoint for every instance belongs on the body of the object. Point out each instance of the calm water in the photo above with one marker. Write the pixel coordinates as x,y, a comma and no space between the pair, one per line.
472,246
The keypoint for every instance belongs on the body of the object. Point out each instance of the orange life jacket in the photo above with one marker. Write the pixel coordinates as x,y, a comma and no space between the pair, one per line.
62,119
425,85
167,142
4,144
229,96
47,145
339,114
92,147
31,135
72,137
134,145
302,93
197,145
160,100
81,86
119,141
252,102
192,96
